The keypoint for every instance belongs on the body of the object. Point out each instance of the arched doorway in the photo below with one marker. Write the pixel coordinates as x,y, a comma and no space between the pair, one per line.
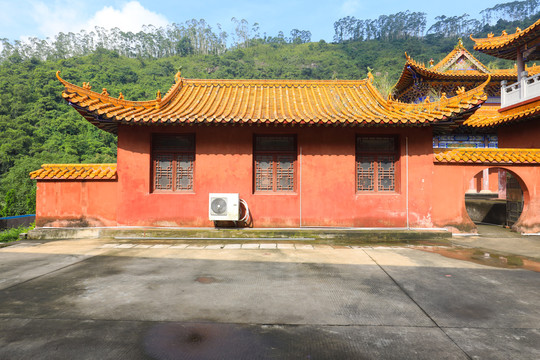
495,196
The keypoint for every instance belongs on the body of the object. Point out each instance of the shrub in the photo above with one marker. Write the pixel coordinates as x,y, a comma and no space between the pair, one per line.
13,233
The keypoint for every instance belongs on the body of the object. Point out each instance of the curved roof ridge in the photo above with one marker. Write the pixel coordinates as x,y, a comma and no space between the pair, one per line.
496,45
282,82
494,117
477,91
504,38
194,101
453,55
86,90
413,69
487,155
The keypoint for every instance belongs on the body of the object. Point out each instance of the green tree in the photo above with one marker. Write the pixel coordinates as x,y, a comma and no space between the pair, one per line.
9,202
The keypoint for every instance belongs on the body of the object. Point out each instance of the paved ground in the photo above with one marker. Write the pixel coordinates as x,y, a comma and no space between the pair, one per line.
96,299
498,239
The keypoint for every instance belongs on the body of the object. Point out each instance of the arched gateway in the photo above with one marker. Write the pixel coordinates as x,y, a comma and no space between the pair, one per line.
455,167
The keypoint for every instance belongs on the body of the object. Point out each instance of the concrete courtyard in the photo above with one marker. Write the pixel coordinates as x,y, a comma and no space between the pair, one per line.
101,299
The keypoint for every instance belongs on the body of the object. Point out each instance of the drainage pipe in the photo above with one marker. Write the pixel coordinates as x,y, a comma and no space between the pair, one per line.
300,184
407,179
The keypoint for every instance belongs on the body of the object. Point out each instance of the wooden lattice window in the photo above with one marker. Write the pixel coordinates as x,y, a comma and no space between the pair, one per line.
274,163
173,159
376,163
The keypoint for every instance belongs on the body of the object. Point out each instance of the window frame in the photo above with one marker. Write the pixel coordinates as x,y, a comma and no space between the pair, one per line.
175,153
275,154
377,155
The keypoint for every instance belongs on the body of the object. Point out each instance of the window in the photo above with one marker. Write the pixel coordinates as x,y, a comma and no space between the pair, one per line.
376,163
173,159
275,161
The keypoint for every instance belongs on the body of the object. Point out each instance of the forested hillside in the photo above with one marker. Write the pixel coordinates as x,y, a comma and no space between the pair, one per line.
37,126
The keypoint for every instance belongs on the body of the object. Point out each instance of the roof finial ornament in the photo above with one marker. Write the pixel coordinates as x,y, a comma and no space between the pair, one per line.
86,85
460,90
178,75
504,33
158,96
518,29
370,75
121,96
443,97
459,43
431,62
104,92
491,34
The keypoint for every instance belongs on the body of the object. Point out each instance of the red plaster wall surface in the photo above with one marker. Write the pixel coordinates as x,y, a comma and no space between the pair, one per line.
325,192
449,205
523,134
325,179
76,203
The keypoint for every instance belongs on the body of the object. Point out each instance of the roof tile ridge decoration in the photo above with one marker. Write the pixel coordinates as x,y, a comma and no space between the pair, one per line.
455,51
493,42
418,68
512,72
487,156
322,102
453,55
456,102
107,99
480,120
273,82
75,172
408,62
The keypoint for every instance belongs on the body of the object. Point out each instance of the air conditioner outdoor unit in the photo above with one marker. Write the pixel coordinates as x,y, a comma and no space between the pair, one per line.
224,207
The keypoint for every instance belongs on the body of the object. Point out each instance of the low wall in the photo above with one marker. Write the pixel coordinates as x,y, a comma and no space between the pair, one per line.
490,211
76,203
16,221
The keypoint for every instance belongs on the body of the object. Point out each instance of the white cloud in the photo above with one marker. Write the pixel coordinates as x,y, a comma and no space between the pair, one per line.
131,17
72,16
350,7
58,17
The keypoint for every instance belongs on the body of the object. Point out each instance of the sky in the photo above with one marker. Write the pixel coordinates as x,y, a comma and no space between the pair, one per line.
21,19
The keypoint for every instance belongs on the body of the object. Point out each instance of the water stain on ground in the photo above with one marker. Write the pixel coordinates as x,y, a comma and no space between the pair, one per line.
205,279
482,257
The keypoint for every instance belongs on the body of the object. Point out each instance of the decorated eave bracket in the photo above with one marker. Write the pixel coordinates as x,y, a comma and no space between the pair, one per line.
104,96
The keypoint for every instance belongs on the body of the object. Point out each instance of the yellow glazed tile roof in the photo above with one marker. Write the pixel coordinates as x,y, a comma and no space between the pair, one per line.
75,172
293,102
458,51
488,116
506,45
439,74
487,156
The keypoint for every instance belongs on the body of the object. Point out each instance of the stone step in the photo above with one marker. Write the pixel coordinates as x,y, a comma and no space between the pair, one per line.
212,235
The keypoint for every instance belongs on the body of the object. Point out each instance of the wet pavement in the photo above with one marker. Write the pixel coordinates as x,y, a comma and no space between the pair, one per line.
97,299
500,240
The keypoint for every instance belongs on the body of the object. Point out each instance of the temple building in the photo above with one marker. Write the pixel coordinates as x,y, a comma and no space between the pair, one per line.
459,70
292,154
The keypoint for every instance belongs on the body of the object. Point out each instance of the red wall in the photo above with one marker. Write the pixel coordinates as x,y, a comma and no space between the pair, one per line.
524,134
326,167
325,189
76,203
449,205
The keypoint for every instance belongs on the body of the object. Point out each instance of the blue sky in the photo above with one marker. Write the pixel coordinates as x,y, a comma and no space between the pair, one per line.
34,18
